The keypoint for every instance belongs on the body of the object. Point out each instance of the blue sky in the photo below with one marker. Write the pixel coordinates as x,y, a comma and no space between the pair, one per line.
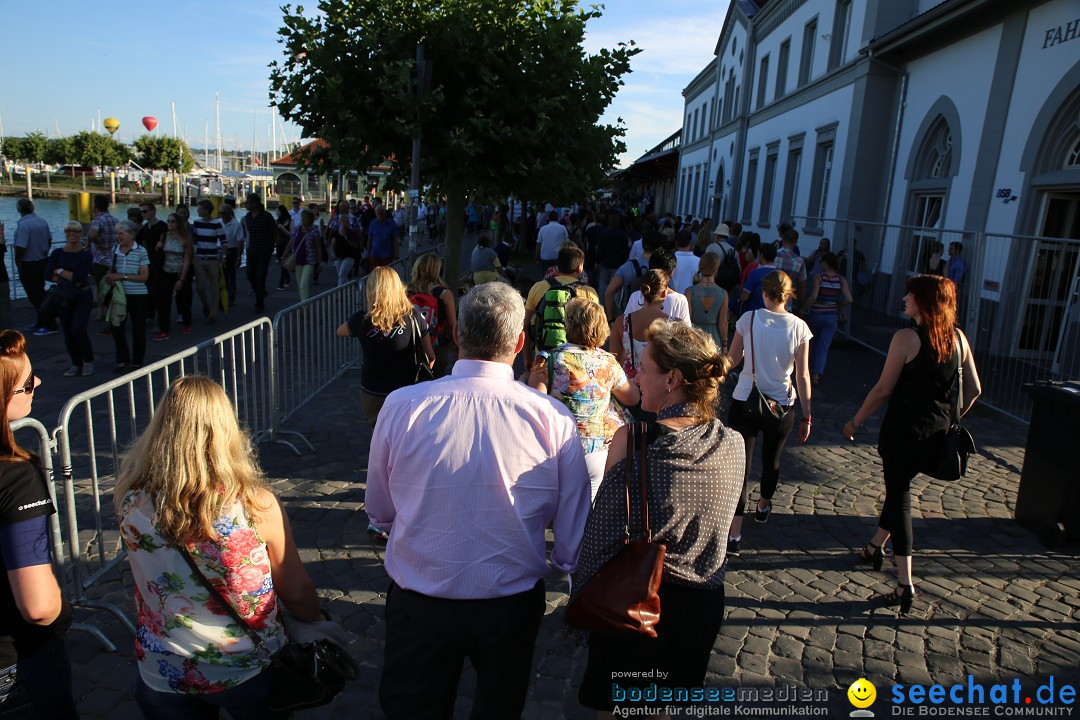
130,59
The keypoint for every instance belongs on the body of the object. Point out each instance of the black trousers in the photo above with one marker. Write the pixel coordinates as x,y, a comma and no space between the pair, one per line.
258,265
772,446
899,470
136,307
428,639
43,685
32,277
74,318
163,292
230,274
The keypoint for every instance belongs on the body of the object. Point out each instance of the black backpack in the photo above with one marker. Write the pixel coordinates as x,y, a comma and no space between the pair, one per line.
550,319
635,284
727,275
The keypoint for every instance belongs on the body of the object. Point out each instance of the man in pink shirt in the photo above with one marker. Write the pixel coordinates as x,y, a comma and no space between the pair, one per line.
465,473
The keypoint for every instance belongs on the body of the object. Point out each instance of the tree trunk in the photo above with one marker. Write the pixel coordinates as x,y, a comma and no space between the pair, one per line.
455,228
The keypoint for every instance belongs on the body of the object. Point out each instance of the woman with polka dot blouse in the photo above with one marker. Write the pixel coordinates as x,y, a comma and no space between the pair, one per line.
695,472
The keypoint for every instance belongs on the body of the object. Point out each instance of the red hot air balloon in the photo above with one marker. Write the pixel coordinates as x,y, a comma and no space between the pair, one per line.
149,123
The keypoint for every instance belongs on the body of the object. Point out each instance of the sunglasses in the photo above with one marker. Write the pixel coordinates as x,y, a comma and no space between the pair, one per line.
30,385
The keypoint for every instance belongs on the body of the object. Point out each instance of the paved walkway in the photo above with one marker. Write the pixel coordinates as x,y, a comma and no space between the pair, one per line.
993,602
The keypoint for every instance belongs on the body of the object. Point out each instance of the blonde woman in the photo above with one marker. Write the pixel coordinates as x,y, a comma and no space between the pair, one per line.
585,377
192,657
388,333
428,288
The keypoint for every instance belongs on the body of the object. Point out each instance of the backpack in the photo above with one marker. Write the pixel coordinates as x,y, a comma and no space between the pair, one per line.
635,284
551,314
429,306
727,275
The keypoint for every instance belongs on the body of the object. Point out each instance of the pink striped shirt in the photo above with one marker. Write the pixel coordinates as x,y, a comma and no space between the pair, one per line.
465,473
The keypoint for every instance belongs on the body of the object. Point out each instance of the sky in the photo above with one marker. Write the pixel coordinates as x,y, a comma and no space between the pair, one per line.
127,60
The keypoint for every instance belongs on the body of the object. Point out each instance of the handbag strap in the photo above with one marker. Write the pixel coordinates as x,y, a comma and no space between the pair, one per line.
958,398
630,333
753,355
225,604
638,432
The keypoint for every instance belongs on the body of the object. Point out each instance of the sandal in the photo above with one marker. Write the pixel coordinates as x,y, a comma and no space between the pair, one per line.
875,557
902,595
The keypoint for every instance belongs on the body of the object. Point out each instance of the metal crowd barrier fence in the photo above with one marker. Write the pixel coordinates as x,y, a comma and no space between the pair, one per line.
94,426
46,446
308,351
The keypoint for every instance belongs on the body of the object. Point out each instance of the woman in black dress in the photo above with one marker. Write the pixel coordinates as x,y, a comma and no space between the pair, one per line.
918,379
695,472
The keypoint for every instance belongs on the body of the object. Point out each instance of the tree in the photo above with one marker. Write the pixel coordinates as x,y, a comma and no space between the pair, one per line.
99,150
61,151
513,104
33,147
164,153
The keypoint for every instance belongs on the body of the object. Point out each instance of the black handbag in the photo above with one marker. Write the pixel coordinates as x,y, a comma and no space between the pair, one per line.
302,676
762,411
424,372
952,463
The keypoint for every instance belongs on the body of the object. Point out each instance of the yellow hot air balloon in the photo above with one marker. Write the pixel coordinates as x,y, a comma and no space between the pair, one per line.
111,124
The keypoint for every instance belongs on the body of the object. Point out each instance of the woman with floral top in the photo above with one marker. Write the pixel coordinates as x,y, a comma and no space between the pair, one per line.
192,658
586,377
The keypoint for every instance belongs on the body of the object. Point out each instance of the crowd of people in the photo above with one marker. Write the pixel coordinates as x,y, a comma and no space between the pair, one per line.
627,344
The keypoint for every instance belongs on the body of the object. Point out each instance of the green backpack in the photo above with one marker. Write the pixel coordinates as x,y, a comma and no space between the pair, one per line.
551,314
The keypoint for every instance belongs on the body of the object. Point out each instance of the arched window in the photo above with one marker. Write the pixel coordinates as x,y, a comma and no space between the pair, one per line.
1072,155
935,155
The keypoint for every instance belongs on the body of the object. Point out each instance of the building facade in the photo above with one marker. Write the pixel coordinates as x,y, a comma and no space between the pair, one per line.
867,120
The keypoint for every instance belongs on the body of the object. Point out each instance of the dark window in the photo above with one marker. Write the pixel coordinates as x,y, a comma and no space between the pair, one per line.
763,76
751,181
791,180
841,26
821,179
767,185
782,69
807,61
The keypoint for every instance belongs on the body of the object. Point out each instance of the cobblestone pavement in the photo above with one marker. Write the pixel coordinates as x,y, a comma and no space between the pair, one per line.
993,602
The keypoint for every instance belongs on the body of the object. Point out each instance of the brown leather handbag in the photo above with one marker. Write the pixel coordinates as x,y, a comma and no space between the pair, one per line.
622,597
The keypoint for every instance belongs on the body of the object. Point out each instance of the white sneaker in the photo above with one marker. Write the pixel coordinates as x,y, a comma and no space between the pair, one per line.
71,371
87,369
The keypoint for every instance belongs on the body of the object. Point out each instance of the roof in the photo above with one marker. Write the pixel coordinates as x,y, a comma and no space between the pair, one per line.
290,161
939,25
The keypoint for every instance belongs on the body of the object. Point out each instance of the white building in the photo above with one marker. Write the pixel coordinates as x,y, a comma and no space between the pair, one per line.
958,115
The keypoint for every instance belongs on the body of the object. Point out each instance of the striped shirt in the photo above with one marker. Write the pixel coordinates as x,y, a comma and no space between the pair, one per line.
131,264
208,236
828,295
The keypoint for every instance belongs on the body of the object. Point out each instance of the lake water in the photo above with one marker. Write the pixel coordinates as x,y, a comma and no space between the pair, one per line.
54,212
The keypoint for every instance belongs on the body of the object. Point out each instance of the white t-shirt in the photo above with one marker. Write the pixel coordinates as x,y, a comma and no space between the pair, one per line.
674,306
776,338
551,238
686,268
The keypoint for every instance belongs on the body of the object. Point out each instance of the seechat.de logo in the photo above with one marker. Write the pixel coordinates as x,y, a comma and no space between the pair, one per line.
862,694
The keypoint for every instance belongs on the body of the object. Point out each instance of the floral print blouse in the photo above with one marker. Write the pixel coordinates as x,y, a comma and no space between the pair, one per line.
185,642
584,379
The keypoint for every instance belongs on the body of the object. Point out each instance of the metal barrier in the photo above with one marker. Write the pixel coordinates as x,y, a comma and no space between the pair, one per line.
309,354
56,540
1018,301
242,361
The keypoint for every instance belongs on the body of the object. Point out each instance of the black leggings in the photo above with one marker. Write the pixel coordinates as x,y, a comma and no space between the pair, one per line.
896,510
772,445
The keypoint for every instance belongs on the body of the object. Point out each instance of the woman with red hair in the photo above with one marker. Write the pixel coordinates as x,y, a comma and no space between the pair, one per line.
918,381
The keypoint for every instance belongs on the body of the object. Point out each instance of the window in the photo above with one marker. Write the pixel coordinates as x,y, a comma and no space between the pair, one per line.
763,76
768,181
691,202
751,181
840,28
729,96
822,177
925,240
682,191
781,69
790,196
693,127
805,64
935,159
704,112
1072,155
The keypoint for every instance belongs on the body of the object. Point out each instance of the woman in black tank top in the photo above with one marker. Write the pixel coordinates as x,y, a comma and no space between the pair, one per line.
918,381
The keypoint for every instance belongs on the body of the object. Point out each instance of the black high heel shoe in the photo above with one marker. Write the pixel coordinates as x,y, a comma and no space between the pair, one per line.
902,595
875,558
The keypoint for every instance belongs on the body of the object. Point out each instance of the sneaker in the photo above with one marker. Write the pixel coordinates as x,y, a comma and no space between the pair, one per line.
72,371
32,327
87,369
187,329
762,516
45,331
733,546
159,336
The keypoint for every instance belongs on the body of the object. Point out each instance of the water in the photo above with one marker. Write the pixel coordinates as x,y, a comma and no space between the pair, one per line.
54,212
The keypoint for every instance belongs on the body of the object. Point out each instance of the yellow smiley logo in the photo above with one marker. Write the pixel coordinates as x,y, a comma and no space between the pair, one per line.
862,693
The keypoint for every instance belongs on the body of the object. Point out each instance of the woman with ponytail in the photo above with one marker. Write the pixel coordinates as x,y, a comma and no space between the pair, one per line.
695,471
917,381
